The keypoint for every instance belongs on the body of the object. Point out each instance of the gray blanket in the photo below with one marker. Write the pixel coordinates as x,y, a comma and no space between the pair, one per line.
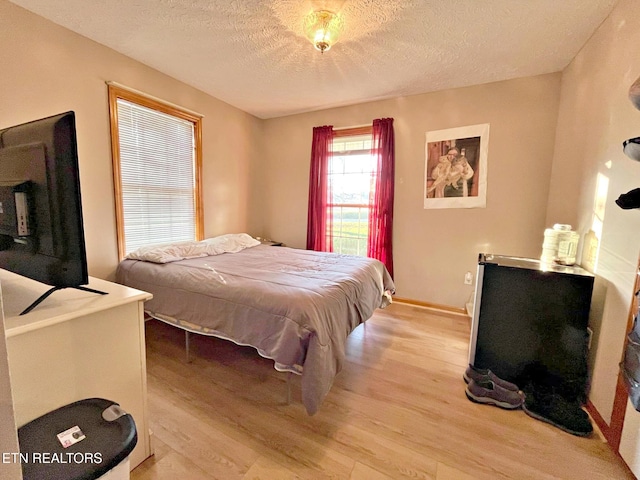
296,307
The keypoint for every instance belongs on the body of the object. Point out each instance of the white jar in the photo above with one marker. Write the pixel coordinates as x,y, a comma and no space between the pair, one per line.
567,248
560,245
550,245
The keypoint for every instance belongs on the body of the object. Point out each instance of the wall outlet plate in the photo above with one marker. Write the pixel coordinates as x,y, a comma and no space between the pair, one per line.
468,278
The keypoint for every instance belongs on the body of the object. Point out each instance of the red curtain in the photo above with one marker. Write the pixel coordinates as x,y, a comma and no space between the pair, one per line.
381,202
320,212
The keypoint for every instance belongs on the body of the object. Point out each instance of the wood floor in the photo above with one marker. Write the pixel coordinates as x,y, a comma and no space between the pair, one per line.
397,410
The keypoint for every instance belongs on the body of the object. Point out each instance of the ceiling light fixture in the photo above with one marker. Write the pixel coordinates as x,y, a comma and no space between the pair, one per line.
322,27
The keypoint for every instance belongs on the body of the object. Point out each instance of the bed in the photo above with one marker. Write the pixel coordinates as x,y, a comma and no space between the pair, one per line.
296,307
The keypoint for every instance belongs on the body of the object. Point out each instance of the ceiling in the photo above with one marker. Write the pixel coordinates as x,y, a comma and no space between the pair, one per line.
253,54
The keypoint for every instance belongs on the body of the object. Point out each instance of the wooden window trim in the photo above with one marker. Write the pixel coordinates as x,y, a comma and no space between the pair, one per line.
351,132
116,92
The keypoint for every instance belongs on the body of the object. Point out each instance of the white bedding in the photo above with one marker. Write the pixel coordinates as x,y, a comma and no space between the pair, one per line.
173,252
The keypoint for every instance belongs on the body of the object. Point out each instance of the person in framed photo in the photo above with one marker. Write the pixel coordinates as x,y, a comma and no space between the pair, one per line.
457,184
441,173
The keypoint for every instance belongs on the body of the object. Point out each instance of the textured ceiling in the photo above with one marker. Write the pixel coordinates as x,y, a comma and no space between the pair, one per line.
253,54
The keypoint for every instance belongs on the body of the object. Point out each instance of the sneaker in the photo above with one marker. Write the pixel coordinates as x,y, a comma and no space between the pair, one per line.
490,393
481,375
556,410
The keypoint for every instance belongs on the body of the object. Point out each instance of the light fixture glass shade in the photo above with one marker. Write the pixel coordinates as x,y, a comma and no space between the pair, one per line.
322,28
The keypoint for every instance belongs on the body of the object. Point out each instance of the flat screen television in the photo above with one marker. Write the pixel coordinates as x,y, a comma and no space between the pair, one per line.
41,229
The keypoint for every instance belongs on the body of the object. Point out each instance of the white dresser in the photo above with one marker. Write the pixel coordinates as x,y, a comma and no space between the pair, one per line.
77,345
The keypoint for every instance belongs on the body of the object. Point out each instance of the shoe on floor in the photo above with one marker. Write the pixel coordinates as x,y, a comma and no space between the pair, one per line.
490,393
482,375
556,410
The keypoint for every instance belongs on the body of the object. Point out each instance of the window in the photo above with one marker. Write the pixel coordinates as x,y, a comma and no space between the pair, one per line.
352,173
156,152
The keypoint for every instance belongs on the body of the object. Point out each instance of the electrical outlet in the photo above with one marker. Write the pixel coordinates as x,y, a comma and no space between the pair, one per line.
468,278
590,334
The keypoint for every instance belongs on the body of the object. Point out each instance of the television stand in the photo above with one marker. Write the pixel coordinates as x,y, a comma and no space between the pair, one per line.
50,291
80,345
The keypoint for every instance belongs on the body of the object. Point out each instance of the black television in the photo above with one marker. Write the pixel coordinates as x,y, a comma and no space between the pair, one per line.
41,228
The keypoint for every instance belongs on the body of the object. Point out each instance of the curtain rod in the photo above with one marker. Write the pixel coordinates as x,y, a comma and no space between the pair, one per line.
151,97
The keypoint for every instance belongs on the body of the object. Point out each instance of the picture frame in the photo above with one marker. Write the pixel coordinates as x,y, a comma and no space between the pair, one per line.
455,167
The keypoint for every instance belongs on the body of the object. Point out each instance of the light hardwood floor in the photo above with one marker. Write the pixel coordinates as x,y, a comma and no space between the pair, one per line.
397,410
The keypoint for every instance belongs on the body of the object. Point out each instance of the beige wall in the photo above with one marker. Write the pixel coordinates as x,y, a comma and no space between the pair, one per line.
432,248
47,69
595,117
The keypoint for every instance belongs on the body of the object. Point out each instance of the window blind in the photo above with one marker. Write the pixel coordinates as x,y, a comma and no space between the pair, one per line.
157,174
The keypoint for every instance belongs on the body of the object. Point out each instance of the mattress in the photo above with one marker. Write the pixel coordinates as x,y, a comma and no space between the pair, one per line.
294,306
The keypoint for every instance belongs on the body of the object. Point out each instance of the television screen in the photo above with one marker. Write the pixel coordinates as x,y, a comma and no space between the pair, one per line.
41,230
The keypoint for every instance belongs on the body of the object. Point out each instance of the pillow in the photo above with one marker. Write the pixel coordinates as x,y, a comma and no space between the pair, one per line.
231,242
168,252
172,252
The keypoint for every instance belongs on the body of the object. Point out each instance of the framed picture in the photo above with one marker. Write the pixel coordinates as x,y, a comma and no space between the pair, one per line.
455,167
